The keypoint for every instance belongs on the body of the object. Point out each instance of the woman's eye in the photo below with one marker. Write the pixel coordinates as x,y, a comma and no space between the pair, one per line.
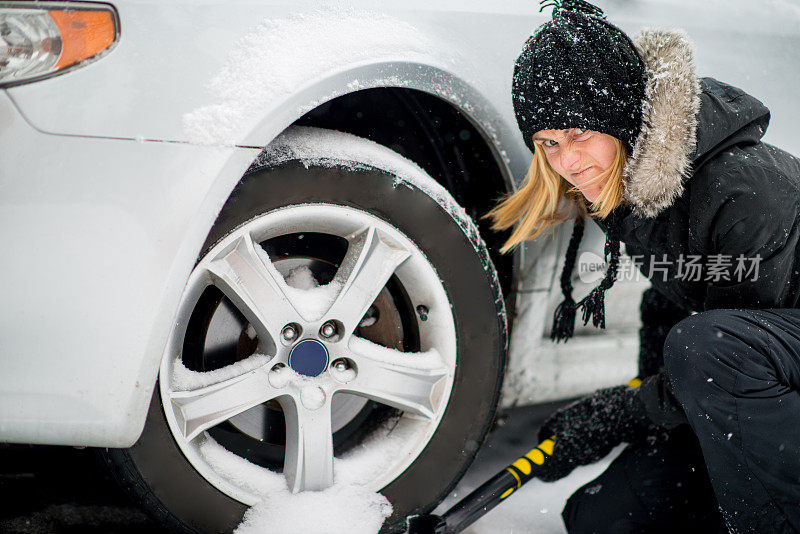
547,143
581,131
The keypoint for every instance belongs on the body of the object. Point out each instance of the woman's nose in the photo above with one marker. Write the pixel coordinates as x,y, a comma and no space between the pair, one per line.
570,159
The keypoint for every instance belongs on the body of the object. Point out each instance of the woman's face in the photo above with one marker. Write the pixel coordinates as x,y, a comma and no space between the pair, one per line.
578,156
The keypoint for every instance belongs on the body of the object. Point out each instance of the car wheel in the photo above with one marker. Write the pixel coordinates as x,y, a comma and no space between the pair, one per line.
343,323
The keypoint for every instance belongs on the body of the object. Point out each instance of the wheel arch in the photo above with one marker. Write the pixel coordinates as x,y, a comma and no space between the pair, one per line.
443,139
478,167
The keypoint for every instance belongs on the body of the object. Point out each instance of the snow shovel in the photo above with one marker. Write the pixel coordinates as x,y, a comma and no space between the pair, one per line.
482,500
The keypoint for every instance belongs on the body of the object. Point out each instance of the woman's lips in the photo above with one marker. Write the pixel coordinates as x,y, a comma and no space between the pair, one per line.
582,173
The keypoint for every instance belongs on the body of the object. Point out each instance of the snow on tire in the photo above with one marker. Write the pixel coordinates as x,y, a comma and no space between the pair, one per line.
343,328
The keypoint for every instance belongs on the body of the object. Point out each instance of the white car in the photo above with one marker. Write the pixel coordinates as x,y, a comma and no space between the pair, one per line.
251,230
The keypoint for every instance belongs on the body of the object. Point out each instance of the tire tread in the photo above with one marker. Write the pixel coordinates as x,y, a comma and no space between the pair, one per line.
122,468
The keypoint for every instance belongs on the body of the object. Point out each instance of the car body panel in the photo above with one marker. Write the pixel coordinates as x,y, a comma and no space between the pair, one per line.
113,174
99,237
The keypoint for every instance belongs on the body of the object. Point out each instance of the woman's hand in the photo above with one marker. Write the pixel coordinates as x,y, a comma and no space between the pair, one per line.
587,430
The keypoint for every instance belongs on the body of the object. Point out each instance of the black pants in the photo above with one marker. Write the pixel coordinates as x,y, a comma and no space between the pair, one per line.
736,373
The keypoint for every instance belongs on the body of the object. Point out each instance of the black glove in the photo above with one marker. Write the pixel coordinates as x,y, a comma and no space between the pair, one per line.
587,430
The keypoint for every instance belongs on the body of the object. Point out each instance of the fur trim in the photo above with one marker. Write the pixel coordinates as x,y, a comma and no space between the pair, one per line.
654,173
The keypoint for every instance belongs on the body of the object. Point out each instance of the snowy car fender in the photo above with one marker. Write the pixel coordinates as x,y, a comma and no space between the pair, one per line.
245,63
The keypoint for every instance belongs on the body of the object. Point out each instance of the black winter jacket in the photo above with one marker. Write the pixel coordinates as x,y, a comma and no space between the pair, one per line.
701,185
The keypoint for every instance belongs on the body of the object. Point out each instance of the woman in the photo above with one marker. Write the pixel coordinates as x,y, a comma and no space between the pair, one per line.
673,166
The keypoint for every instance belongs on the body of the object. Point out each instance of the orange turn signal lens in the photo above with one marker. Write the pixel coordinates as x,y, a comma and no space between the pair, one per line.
84,34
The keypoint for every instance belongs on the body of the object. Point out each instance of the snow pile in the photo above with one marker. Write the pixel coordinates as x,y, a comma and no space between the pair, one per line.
344,507
281,56
338,509
310,299
301,278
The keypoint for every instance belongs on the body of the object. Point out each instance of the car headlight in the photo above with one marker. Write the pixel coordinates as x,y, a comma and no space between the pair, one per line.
42,39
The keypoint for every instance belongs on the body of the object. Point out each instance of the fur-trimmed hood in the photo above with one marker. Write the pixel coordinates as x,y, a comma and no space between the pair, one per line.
660,161
685,122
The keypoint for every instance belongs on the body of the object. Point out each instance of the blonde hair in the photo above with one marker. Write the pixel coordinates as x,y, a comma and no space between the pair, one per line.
534,207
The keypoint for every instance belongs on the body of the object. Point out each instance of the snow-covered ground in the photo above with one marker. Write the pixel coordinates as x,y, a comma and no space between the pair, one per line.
536,507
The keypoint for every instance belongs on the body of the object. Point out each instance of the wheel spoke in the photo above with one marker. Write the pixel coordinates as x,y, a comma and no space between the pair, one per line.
410,382
308,462
255,288
370,261
203,408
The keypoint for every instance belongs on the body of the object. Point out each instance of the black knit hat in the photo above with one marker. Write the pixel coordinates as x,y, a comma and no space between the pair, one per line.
579,71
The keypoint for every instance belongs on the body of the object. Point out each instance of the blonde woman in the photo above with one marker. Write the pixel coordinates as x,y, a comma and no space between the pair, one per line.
623,131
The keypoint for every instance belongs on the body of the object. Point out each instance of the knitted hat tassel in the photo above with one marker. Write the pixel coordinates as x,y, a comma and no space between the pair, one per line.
564,317
593,305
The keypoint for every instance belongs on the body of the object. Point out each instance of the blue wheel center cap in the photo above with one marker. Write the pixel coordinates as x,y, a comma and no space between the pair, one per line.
309,357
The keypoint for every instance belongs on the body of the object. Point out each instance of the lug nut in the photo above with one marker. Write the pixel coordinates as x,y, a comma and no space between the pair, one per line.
328,330
289,332
279,375
343,370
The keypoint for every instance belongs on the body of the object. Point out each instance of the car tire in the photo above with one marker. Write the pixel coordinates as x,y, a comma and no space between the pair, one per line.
311,167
